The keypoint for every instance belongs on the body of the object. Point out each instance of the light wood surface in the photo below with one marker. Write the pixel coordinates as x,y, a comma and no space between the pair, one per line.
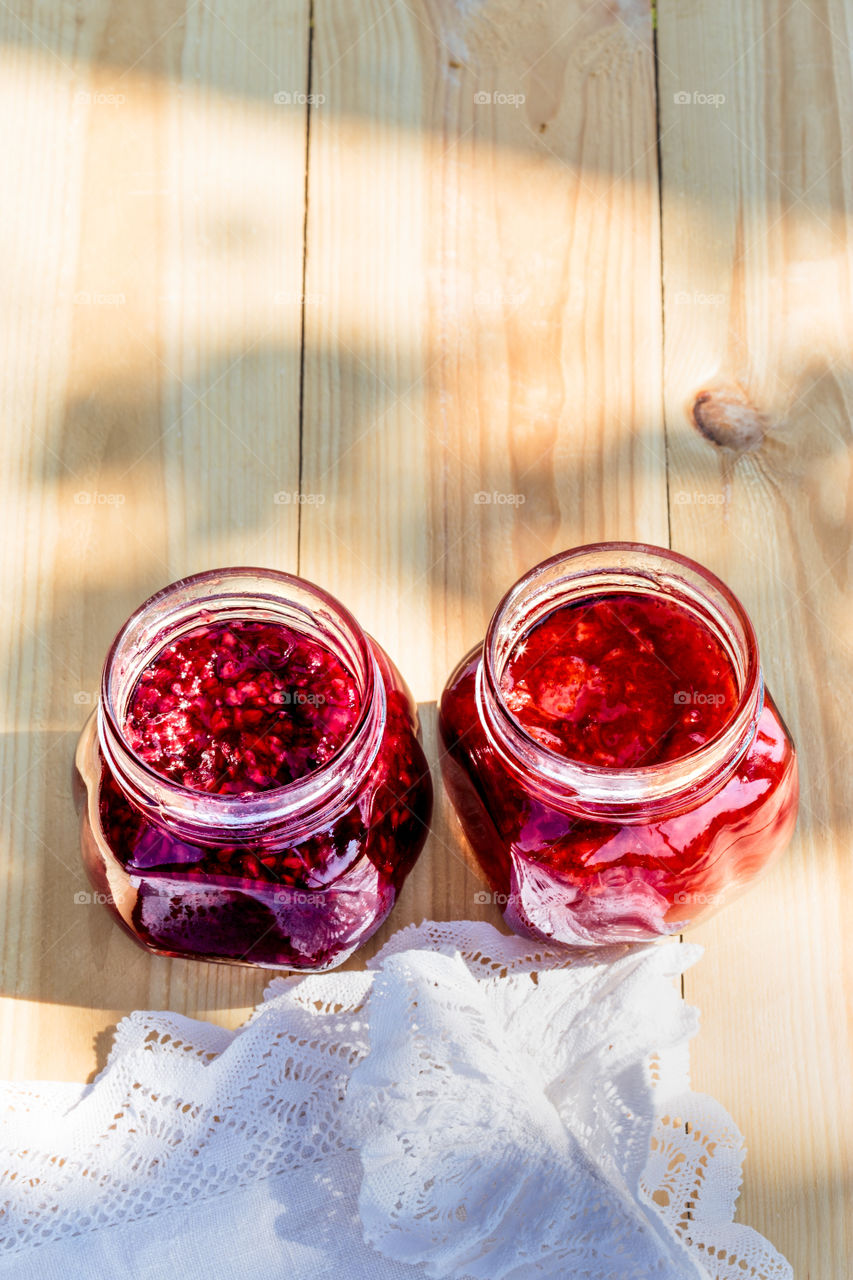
758,316
245,327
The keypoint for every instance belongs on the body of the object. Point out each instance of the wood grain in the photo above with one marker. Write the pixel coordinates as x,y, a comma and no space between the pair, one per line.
446,366
482,362
152,346
757,269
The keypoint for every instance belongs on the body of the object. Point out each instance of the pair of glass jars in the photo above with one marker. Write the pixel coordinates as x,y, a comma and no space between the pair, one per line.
253,787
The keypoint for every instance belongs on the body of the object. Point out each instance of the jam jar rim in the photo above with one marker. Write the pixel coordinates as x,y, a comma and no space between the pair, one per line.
296,805
596,789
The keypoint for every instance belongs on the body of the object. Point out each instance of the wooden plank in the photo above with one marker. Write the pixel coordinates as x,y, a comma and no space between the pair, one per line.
757,269
152,231
482,252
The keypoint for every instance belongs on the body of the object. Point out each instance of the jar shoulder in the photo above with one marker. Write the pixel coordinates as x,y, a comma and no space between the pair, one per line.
386,817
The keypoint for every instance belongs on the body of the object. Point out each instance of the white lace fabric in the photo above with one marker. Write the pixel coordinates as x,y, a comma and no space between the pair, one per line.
471,1107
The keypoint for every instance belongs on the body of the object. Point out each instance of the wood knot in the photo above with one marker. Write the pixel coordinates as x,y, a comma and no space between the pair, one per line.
727,417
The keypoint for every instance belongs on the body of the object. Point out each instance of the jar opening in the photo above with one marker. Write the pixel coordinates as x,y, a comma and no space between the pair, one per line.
244,594
610,569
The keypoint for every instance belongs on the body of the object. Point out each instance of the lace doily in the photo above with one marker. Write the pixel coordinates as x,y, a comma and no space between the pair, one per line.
471,1107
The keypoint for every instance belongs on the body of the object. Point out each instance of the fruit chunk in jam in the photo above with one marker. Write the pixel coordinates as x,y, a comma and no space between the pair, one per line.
239,709
620,681
616,681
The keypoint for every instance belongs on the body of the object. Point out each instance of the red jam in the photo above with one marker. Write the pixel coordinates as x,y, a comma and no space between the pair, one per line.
233,713
620,681
240,707
617,681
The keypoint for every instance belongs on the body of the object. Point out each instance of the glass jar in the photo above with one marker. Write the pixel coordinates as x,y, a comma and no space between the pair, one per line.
583,854
296,876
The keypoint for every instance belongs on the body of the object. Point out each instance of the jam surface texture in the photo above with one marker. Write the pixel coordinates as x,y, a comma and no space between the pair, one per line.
241,707
620,681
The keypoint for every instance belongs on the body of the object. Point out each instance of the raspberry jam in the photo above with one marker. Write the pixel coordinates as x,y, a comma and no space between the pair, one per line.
613,757
255,789
620,681
241,707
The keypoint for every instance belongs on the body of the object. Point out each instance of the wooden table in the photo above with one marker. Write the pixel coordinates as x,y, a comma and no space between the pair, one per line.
297,284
